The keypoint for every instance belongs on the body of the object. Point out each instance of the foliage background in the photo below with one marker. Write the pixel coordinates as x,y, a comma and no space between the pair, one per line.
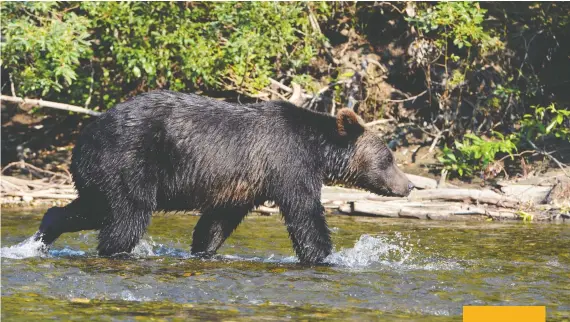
481,68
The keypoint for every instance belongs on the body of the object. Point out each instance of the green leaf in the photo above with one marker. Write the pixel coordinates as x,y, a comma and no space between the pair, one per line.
452,157
137,72
550,126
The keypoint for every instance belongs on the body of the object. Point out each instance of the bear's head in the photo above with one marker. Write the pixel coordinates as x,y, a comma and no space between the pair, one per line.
372,166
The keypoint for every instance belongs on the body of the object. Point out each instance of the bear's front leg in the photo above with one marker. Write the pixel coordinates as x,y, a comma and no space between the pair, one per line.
123,228
59,220
307,227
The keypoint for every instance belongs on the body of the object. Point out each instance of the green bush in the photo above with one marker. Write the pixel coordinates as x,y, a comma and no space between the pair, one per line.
474,153
546,122
43,49
460,22
69,52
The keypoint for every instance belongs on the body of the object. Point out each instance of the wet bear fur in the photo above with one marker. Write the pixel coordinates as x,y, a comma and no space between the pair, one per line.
165,150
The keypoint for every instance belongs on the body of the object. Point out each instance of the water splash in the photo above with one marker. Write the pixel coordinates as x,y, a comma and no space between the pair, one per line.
150,248
31,247
369,250
376,252
392,253
144,249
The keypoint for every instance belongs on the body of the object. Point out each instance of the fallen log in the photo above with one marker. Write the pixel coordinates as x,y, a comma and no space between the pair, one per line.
422,182
426,210
527,193
441,204
266,210
41,195
343,194
34,184
370,208
466,195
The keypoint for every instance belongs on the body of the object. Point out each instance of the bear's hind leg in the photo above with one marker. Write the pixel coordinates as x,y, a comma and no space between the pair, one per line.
123,228
214,227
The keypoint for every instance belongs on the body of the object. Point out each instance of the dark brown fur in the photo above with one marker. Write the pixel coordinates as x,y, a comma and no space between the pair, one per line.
171,151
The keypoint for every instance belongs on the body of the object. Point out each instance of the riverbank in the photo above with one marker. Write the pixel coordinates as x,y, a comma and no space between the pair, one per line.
539,199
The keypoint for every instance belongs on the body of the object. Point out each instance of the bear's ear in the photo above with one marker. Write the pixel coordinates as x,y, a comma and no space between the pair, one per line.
348,123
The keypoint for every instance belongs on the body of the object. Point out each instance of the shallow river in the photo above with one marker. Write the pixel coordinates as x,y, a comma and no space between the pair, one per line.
382,269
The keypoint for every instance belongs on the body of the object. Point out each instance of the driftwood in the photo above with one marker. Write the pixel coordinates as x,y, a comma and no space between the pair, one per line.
431,204
466,195
266,210
53,185
527,193
32,184
472,196
442,204
29,190
66,177
42,103
41,195
426,210
422,182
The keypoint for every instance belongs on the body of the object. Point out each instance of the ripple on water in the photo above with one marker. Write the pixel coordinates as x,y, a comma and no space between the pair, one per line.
389,269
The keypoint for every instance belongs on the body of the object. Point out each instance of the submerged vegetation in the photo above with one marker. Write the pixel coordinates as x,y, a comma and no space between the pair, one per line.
481,80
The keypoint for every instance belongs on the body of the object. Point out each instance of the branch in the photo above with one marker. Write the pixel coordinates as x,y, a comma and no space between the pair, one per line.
280,85
560,164
88,100
326,45
297,96
326,88
276,93
42,103
23,164
435,140
517,155
413,98
287,88
12,88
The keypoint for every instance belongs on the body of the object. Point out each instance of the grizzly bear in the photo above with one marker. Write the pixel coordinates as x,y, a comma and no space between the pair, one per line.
165,150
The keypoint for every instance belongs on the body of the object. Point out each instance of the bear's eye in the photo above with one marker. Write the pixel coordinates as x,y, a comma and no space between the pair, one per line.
390,159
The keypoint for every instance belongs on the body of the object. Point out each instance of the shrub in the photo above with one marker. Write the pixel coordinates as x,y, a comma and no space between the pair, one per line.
70,52
474,153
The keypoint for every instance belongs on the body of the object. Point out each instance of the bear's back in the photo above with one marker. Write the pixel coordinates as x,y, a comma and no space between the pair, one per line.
180,133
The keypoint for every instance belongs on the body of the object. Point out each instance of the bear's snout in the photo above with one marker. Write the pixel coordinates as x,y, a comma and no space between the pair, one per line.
397,182
405,190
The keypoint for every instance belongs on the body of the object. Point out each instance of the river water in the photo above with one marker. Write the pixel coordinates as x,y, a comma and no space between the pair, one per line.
382,269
